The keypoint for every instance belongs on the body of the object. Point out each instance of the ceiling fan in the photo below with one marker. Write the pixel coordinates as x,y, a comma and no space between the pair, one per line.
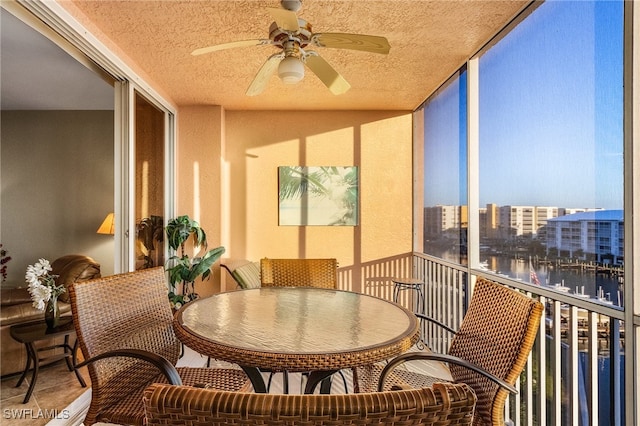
292,36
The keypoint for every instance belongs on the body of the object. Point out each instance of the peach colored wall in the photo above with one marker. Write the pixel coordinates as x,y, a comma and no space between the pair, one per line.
198,152
378,142
227,180
418,178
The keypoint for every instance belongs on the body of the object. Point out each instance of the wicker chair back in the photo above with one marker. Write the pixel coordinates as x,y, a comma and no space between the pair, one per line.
444,404
123,312
497,333
322,273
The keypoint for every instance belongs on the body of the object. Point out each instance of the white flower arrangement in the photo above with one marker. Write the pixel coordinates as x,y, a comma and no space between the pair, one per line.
42,285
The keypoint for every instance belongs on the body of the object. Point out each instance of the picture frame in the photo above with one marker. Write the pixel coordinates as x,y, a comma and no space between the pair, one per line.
318,195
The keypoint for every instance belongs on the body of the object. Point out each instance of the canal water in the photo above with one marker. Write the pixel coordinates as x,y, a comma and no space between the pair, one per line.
574,281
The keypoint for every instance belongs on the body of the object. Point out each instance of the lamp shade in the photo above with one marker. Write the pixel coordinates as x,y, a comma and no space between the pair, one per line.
108,225
291,70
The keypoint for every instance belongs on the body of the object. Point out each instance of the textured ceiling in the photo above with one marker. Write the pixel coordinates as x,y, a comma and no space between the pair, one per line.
429,41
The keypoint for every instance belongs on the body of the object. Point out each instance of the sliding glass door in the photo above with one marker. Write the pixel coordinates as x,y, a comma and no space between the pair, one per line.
149,183
142,139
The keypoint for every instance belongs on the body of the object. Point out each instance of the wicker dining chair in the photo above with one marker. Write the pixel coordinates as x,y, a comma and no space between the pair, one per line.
123,325
443,404
488,352
322,273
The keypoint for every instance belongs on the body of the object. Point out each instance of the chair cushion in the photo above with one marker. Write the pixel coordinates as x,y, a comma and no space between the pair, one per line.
248,276
366,379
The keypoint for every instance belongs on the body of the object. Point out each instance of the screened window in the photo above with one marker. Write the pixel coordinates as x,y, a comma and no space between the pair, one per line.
445,168
551,148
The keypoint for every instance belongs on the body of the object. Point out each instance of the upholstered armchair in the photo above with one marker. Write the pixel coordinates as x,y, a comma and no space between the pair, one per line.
17,306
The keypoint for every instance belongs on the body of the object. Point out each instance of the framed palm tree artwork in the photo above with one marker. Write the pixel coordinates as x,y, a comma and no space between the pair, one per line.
325,196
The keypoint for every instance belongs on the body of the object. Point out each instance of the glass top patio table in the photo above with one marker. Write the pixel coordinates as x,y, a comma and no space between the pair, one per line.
296,329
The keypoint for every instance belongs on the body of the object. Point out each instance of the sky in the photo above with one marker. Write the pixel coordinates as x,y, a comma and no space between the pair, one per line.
550,114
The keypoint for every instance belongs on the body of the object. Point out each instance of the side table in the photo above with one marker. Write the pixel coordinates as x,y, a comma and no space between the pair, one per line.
416,285
35,331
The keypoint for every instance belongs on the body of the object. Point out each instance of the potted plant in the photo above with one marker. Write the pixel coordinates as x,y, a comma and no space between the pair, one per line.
183,269
149,231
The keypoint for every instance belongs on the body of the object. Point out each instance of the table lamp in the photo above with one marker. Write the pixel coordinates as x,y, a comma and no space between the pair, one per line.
108,225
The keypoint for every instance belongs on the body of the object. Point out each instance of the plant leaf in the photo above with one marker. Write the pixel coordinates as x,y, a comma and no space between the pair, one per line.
204,265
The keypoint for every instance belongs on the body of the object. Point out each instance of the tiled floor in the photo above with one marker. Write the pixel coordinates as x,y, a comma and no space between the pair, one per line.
56,390
57,394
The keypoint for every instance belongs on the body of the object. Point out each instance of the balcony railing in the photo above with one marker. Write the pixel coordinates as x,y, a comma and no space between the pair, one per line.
575,373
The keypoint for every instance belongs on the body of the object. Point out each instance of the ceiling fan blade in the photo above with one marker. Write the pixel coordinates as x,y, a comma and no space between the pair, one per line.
261,79
231,45
325,72
285,19
367,43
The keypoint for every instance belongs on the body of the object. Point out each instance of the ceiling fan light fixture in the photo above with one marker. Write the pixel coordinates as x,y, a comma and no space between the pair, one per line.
292,5
291,70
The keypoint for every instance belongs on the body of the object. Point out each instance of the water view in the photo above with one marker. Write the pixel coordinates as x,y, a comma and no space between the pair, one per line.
603,285
533,135
575,278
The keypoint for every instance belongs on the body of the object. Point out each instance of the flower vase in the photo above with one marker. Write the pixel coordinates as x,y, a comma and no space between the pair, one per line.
52,313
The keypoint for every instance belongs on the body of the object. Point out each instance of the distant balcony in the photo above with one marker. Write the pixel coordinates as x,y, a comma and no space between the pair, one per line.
575,374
